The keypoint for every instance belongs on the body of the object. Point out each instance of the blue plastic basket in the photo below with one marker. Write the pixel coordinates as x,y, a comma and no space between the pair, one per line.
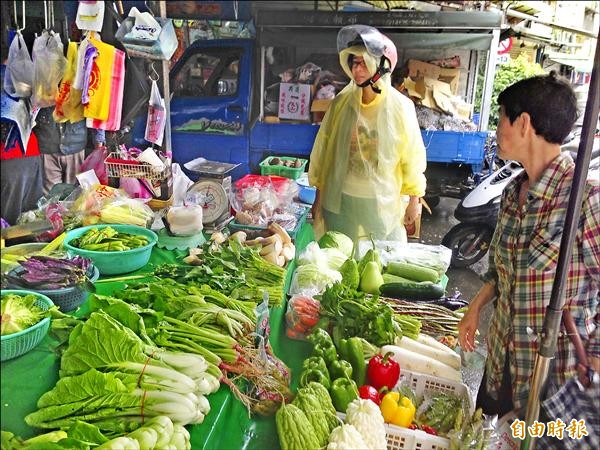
67,299
17,344
115,263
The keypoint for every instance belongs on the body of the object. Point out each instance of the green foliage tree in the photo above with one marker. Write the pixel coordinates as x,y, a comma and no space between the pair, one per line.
506,74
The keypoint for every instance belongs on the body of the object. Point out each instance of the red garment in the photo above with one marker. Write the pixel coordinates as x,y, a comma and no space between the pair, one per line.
33,149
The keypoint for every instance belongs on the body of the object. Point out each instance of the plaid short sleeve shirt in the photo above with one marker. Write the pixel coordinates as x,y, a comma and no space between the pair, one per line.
523,260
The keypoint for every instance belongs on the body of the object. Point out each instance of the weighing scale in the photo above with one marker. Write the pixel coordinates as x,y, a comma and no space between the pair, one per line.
212,192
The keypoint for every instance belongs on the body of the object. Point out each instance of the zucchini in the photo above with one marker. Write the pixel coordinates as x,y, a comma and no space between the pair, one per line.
413,272
412,289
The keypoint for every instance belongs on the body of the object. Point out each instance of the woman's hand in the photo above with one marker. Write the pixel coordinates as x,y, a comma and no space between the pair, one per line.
467,328
413,210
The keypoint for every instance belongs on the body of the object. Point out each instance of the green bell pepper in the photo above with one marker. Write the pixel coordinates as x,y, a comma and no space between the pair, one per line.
343,391
315,369
343,349
356,356
323,345
340,369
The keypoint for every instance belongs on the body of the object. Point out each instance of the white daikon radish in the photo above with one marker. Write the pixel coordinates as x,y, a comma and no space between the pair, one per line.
416,362
432,342
453,360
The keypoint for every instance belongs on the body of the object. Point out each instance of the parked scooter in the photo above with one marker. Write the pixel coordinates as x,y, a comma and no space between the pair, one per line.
478,211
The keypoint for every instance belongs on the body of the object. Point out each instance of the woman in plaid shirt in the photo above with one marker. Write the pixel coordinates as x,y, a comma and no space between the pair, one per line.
536,115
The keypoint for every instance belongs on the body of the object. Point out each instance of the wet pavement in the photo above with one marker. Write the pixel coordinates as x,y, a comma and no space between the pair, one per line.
465,280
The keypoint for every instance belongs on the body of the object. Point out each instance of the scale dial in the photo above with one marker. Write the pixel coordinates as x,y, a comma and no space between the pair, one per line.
213,199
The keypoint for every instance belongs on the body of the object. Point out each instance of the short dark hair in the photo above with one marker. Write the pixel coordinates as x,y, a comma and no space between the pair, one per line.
548,99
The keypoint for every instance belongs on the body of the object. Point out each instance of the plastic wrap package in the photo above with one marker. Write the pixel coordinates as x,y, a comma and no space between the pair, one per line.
437,257
301,316
104,204
311,279
476,432
48,68
259,200
57,208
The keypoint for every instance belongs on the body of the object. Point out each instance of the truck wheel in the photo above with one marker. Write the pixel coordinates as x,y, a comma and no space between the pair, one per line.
469,243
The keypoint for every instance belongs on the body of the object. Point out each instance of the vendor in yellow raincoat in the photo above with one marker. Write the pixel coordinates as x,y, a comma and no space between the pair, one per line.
368,156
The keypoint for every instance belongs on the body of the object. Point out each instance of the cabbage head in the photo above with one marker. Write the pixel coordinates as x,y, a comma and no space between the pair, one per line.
19,312
335,239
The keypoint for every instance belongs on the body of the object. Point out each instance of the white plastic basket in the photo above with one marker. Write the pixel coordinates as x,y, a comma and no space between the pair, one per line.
421,383
399,438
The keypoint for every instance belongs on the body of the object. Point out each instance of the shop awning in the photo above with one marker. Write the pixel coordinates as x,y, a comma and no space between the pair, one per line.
579,64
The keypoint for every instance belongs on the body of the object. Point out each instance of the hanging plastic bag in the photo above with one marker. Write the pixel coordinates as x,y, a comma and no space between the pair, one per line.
113,123
68,99
96,95
95,162
155,124
18,80
48,68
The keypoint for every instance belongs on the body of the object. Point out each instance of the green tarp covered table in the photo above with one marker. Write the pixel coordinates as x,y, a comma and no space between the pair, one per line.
227,426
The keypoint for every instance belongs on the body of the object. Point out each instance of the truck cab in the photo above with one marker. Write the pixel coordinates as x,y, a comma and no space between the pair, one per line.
220,107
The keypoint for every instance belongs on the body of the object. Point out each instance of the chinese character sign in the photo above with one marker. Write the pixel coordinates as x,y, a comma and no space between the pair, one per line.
294,101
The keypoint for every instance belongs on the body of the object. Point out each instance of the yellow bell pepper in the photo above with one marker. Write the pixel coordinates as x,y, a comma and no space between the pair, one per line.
397,409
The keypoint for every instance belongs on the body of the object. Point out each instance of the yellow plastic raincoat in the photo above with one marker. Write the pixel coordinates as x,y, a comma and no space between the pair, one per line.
365,159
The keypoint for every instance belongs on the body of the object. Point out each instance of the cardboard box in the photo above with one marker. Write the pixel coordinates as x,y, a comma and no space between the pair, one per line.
450,76
421,69
294,101
320,105
431,93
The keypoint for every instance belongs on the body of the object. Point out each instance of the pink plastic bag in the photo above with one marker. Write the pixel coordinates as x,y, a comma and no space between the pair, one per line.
155,124
95,162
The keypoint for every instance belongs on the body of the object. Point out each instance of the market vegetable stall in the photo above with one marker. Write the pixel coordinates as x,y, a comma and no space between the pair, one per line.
228,424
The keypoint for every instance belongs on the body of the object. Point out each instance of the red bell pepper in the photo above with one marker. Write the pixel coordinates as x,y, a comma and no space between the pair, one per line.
383,371
369,393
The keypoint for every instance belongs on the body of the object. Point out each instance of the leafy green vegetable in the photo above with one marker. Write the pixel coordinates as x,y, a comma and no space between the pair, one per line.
95,395
19,312
310,278
335,239
352,313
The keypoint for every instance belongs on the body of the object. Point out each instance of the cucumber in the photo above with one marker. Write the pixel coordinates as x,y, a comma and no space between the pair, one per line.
413,272
389,278
412,289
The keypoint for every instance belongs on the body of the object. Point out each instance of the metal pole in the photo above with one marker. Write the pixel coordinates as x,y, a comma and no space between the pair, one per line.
166,90
488,84
557,298
262,83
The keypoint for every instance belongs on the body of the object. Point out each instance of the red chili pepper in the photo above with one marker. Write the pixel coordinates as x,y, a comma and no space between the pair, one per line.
413,426
369,393
383,371
429,430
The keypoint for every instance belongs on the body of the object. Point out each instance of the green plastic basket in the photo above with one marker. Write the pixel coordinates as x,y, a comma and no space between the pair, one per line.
17,344
68,298
115,263
289,172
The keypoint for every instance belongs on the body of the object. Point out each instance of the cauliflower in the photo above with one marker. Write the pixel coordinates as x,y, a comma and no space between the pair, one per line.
366,417
346,437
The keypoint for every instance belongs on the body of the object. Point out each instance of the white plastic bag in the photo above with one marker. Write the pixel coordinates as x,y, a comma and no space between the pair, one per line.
155,124
49,66
18,80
